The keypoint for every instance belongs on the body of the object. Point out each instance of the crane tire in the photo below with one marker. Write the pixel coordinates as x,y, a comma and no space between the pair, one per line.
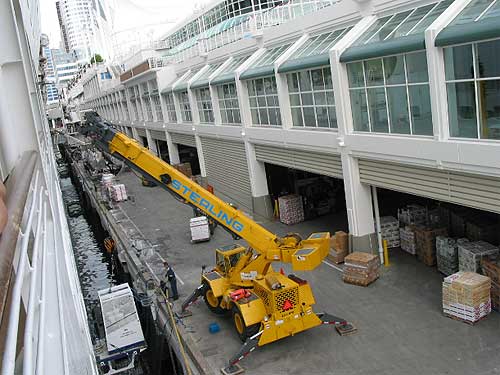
212,302
243,331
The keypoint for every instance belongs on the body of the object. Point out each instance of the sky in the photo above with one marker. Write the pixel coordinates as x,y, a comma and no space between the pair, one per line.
129,14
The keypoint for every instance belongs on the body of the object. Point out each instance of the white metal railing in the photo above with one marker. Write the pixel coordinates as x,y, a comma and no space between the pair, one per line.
249,25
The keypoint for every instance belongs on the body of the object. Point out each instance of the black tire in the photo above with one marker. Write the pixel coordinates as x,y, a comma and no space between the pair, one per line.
212,302
243,331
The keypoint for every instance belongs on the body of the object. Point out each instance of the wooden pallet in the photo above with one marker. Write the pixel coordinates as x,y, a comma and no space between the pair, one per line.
464,321
359,282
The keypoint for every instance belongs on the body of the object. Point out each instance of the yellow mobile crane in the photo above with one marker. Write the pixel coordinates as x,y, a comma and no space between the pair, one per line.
265,305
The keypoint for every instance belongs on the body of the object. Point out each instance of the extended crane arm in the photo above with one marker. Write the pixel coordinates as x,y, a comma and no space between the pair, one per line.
274,248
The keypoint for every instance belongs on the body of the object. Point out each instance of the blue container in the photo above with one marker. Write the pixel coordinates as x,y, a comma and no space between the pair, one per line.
213,328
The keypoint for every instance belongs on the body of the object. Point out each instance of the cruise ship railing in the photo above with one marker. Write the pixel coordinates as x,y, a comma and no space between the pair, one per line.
43,319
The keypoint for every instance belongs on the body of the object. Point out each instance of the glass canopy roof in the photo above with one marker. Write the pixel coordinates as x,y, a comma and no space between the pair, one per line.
398,33
183,84
227,74
264,65
479,20
314,52
202,80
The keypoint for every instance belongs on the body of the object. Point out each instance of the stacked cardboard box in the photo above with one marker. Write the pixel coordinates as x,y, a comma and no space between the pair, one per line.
361,268
479,228
291,209
491,268
390,231
339,247
412,214
426,243
466,296
447,254
117,193
471,253
408,241
184,168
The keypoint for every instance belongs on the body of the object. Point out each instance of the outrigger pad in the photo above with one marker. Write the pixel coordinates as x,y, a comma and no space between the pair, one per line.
232,370
346,329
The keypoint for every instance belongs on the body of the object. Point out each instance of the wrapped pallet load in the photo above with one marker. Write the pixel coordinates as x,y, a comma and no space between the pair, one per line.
361,268
426,243
291,209
490,266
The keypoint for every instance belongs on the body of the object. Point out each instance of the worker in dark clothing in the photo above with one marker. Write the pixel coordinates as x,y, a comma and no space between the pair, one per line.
170,276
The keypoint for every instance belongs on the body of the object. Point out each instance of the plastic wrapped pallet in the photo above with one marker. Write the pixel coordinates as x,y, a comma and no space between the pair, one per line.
184,168
491,268
412,215
447,254
466,296
291,209
389,226
426,243
408,241
471,253
361,268
118,193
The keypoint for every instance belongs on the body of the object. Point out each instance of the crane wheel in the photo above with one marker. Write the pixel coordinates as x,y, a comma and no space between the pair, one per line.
242,329
213,302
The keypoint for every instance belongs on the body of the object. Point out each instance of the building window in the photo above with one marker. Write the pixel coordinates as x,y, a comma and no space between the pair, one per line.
135,110
473,85
228,104
311,98
391,95
169,103
264,105
148,114
204,104
157,105
126,114
185,107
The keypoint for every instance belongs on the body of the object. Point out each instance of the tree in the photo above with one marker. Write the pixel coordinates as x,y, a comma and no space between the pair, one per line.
96,59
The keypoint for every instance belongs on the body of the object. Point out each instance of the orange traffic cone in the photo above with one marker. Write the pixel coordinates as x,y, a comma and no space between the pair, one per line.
282,272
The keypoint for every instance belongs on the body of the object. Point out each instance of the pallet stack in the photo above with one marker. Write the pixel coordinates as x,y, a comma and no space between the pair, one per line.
184,168
491,268
291,209
471,253
361,268
339,247
447,254
117,193
408,240
466,296
426,243
412,215
389,226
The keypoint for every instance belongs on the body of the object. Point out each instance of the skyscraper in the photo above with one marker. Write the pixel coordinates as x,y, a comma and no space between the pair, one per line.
81,22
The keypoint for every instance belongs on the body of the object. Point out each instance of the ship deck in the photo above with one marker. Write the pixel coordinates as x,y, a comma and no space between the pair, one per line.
401,329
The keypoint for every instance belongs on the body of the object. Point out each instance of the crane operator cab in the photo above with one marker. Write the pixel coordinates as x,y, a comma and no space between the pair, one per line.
227,257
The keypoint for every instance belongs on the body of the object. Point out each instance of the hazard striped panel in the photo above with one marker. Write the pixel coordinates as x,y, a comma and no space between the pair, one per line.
183,139
227,171
310,161
472,190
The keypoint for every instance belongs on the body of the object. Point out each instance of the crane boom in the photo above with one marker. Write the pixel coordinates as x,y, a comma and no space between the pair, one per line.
303,255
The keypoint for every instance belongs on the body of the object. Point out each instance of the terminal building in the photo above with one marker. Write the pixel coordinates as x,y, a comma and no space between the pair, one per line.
377,101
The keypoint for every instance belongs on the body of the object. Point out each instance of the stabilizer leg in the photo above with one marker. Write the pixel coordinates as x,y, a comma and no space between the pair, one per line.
342,326
233,368
198,292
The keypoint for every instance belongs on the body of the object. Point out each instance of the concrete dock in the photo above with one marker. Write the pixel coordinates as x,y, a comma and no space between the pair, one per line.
401,329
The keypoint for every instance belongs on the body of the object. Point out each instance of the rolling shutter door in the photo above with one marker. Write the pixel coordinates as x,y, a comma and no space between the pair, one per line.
481,192
309,161
183,139
227,170
141,132
155,134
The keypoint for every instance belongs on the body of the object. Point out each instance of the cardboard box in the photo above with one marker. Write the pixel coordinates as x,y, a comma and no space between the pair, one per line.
361,268
184,168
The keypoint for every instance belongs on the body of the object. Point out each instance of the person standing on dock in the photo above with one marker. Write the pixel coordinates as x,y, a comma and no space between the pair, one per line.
170,276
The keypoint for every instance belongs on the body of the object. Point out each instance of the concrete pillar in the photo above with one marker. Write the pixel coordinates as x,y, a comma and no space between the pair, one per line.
201,158
173,150
151,143
262,202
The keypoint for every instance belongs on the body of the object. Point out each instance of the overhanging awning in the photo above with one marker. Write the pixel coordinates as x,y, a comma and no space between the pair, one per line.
264,65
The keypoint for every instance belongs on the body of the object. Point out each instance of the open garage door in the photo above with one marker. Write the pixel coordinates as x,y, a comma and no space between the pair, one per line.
183,139
227,170
476,191
304,160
